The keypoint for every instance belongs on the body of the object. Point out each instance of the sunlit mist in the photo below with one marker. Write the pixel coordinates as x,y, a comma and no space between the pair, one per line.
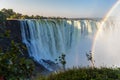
107,47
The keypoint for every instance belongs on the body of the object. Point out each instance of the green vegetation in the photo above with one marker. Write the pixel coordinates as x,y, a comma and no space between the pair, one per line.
6,14
13,64
84,74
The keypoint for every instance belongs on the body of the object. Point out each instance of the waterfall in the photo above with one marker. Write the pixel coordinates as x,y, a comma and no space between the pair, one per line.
47,39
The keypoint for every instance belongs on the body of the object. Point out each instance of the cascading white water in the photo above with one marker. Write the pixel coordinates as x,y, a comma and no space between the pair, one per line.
48,38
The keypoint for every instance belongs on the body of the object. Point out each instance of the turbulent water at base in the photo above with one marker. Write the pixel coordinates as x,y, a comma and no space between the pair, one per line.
48,38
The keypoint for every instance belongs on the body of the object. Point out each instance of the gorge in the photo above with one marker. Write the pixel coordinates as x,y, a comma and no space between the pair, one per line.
47,39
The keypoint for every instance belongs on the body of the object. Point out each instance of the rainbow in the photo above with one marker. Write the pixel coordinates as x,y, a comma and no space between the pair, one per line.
102,23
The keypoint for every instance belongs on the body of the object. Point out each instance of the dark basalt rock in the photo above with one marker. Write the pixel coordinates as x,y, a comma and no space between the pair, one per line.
52,64
44,71
15,31
12,27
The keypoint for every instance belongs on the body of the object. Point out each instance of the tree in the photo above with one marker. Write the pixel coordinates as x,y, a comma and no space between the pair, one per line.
62,60
2,17
25,17
7,12
16,16
90,58
32,17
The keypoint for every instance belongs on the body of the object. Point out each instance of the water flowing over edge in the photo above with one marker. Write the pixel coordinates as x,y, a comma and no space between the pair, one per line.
47,39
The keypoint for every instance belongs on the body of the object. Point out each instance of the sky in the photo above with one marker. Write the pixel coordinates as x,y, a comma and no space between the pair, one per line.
60,8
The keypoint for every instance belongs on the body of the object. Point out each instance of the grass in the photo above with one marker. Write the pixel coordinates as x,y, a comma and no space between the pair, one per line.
84,74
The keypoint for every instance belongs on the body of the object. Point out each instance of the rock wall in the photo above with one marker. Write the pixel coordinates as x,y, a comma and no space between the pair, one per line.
15,31
11,28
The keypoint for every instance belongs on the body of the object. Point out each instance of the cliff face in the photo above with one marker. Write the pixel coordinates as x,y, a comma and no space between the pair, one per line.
11,28
15,32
